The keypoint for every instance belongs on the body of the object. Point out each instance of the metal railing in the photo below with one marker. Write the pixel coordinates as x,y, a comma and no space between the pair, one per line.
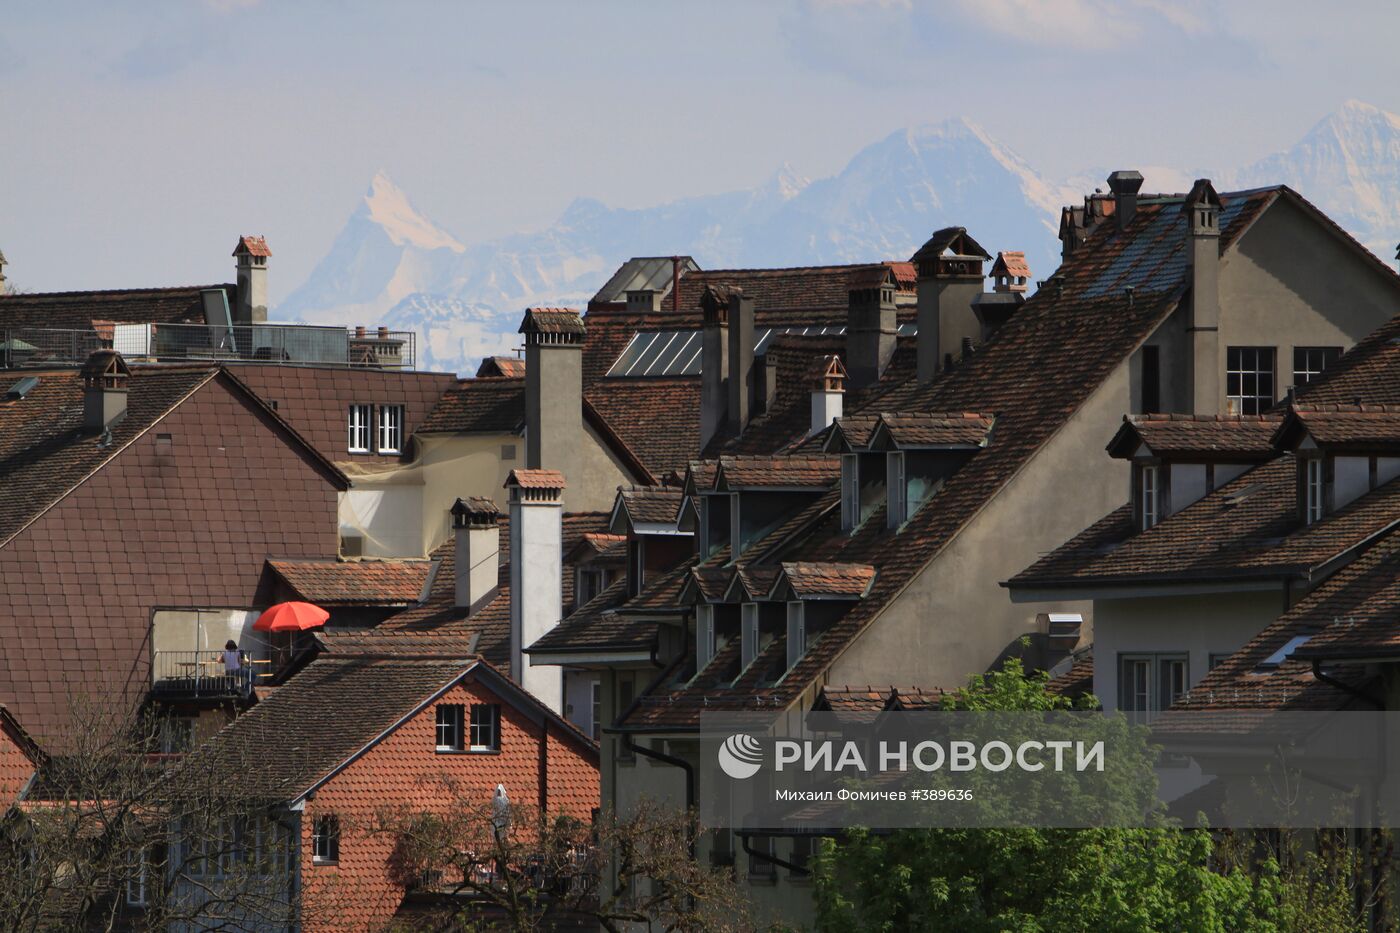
202,674
289,344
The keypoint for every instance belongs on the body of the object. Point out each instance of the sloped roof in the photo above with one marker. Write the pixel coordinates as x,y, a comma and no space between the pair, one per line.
815,472
78,310
1202,437
252,245
812,579
795,288
355,583
936,429
650,504
509,367
551,321
479,406
1356,427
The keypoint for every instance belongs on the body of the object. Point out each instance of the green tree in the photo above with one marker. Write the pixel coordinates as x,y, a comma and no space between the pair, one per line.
1104,879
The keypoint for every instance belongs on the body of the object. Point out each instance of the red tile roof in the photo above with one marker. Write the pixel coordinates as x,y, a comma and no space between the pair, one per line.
1200,437
798,288
650,504
1078,680
252,245
511,367
535,479
811,579
1357,427
479,406
814,472
355,583
1012,263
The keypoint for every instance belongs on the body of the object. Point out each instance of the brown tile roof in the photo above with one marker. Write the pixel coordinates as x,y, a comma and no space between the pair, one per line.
355,583
650,504
252,245
1239,437
551,321
1369,371
536,479
1247,528
1357,427
936,429
809,579
596,546
479,406
1078,680
510,367
657,419
78,310
1360,602
808,472
1012,263
798,288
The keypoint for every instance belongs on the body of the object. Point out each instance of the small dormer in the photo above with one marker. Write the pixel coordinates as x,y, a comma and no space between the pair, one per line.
1342,452
648,516
766,491
863,471
922,450
1178,459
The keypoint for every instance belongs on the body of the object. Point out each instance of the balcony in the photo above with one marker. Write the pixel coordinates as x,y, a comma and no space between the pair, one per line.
286,344
201,675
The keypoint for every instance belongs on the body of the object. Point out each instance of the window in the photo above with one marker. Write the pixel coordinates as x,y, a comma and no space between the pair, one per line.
704,635
1149,489
1249,379
359,429
137,867
803,848
1314,489
1309,362
591,581
796,632
325,839
390,429
1151,379
507,451
450,717
1217,659
485,727
759,866
636,565
1150,683
595,702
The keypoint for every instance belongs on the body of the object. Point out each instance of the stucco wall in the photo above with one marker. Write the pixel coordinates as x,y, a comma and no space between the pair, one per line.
1199,625
404,770
955,618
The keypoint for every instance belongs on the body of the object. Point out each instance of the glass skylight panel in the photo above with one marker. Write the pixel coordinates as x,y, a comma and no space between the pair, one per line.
1283,654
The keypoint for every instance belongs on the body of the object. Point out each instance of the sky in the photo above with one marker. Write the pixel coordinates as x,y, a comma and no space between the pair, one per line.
137,141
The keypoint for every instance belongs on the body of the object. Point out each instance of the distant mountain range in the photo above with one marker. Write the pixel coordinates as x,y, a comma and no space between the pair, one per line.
390,264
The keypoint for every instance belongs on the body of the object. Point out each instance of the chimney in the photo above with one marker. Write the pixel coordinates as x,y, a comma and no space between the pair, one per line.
643,301
105,376
477,534
1010,275
714,362
828,394
553,387
1073,231
536,576
1124,185
250,263
1202,210
741,369
950,279
871,327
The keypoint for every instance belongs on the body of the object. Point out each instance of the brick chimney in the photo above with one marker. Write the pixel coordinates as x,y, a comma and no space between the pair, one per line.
536,576
1125,186
871,327
714,362
1202,209
553,387
828,394
477,543
250,262
741,368
950,279
1010,278
105,377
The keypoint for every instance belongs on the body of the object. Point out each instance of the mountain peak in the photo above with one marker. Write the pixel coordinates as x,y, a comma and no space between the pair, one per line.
787,183
389,208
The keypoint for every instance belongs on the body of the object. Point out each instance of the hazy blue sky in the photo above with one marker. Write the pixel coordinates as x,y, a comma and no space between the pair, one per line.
137,140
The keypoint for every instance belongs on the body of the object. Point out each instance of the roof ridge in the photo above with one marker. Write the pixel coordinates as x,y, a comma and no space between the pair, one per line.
116,292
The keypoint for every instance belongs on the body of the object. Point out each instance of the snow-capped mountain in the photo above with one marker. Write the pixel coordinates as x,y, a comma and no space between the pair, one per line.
1348,165
390,264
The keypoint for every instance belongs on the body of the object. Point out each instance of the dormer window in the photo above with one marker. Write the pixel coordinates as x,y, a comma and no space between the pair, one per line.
636,566
714,523
1149,495
704,635
748,635
863,484
1314,489
796,632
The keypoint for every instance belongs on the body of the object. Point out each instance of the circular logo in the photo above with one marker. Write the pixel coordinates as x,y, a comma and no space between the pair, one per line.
740,756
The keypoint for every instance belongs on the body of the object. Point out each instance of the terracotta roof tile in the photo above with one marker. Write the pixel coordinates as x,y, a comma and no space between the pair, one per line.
798,288
658,505
252,245
1361,427
937,429
355,583
815,472
551,321
510,367
479,406
1011,263
536,479
810,579
1078,680
1174,436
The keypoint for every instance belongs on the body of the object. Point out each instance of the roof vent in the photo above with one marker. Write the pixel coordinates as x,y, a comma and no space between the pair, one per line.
1125,186
21,388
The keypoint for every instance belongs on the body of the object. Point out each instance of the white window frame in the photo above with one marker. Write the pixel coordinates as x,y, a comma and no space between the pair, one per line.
1152,664
1243,402
450,734
390,433
704,635
359,428
137,889
484,727
325,839
897,507
1150,494
796,631
1314,489
748,634
1312,368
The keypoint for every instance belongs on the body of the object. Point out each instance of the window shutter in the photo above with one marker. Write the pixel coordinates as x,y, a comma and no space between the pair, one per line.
796,632
704,635
850,492
748,638
895,490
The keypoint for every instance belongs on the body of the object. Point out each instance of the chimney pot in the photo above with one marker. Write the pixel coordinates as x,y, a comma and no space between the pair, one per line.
477,545
105,378
250,265
871,325
383,332
950,280
1125,186
360,331
553,387
966,347
828,394
536,576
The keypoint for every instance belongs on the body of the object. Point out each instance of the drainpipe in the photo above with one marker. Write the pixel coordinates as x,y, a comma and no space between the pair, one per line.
681,763
750,851
1344,687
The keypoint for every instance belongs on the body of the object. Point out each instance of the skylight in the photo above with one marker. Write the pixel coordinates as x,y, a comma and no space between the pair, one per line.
1283,654
677,352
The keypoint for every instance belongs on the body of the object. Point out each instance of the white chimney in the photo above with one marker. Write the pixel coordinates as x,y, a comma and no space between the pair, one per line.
478,550
536,576
250,263
828,394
